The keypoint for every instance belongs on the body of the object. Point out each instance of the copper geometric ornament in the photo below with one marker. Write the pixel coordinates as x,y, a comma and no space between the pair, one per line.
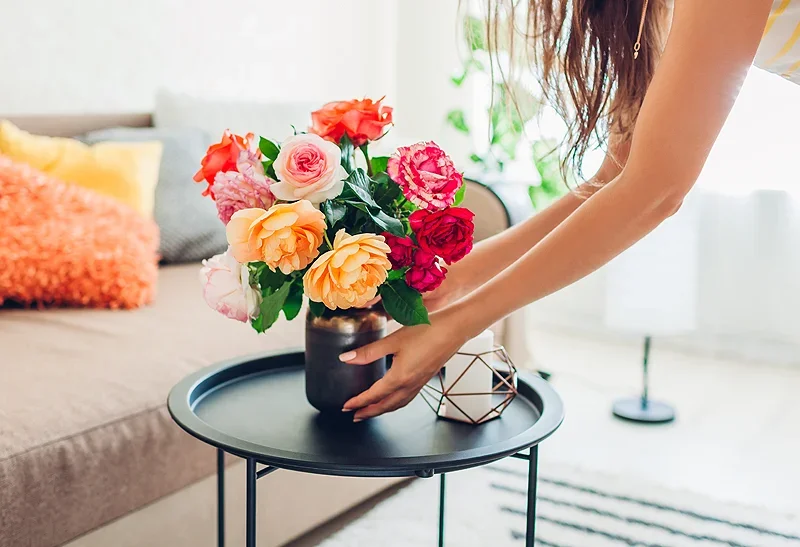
502,391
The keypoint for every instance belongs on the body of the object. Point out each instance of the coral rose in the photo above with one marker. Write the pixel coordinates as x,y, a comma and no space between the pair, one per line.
425,274
227,289
222,157
348,276
402,250
286,237
308,167
446,233
362,121
426,175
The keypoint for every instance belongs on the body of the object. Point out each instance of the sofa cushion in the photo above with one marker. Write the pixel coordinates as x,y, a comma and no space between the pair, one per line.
178,197
84,434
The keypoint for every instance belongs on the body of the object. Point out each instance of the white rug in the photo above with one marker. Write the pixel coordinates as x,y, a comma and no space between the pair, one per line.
485,507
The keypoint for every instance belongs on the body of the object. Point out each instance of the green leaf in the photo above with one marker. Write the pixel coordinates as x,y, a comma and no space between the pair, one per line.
347,153
334,211
379,164
271,305
460,194
394,275
403,303
317,308
268,148
294,301
458,120
476,159
357,186
475,33
386,194
269,169
388,223
269,280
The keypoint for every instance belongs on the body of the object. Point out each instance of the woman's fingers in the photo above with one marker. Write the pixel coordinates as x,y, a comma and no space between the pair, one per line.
369,353
396,400
379,390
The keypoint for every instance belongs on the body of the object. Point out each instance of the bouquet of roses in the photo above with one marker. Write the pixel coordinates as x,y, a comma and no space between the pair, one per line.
317,216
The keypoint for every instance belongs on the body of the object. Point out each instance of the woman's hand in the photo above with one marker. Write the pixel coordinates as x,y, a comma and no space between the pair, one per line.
458,283
419,353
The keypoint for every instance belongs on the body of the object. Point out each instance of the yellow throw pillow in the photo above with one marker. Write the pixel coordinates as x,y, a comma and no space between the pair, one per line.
125,171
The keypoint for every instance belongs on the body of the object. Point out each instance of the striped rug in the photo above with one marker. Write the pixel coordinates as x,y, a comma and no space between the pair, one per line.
486,508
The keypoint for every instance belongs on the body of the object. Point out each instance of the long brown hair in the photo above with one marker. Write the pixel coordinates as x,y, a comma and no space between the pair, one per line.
582,53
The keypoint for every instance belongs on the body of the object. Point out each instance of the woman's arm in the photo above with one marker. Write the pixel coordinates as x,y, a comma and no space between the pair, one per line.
493,255
710,48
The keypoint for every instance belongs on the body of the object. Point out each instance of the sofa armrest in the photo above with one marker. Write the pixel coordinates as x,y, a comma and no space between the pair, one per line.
497,206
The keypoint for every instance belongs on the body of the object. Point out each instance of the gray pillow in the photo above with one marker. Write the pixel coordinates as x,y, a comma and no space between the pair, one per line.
190,228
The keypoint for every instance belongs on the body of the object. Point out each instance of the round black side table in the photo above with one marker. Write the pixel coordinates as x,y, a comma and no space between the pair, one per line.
255,408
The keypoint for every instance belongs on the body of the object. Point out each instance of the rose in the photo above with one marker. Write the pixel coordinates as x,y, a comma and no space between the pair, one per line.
425,274
426,175
247,188
222,157
308,167
226,287
402,250
286,237
362,121
348,276
447,233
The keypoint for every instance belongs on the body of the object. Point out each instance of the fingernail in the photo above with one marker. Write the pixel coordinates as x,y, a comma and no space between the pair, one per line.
347,356
347,410
356,420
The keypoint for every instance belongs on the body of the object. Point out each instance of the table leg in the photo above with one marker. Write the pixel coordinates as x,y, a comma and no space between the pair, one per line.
220,497
530,530
441,509
250,509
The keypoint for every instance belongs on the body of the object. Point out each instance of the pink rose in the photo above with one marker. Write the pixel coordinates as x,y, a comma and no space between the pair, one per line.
426,175
308,167
245,189
402,250
426,273
226,287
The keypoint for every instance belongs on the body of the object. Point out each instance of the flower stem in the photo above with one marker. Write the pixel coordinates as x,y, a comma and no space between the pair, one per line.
328,241
365,151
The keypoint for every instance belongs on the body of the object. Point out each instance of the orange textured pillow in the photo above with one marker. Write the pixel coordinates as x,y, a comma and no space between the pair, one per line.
62,244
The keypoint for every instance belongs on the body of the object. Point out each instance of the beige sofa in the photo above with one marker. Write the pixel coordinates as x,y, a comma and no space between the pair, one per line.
89,456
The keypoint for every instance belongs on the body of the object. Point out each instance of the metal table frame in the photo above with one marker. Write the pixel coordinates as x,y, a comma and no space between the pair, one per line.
253,474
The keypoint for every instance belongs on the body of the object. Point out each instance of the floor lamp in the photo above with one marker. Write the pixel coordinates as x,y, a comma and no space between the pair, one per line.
651,291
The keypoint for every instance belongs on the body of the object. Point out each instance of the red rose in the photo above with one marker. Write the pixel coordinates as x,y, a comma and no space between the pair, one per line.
446,233
402,250
363,120
425,274
221,158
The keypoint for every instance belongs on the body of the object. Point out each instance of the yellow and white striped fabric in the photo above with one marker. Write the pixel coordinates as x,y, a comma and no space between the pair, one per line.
779,51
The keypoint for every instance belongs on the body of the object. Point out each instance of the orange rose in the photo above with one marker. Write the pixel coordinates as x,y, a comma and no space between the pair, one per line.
221,158
362,120
286,237
349,275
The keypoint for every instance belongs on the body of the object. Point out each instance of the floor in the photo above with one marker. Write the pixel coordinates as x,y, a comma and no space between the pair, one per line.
736,438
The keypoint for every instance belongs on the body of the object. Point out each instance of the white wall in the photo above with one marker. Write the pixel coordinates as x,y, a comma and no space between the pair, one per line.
78,56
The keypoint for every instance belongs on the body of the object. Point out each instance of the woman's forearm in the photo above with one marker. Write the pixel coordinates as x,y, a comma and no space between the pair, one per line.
603,226
493,255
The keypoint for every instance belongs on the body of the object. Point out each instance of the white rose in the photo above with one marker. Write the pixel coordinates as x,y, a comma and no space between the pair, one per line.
308,167
226,287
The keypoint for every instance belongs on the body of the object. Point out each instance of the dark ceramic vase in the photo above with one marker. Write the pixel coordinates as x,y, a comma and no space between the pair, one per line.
329,382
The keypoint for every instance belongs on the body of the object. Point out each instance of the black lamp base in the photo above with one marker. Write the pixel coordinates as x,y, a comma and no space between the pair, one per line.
636,410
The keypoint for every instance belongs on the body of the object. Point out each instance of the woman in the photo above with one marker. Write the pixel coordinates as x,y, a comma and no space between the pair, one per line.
662,111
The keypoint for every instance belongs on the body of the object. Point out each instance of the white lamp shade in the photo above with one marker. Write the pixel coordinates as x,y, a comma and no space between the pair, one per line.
652,287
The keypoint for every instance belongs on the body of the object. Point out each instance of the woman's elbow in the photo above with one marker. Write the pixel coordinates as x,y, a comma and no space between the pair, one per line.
669,205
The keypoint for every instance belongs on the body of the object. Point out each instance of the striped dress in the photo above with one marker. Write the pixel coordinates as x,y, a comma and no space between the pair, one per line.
779,51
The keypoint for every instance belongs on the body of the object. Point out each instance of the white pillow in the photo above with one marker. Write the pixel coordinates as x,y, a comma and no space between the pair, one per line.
271,120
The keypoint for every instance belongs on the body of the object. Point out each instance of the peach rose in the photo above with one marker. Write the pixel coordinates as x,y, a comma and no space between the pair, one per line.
308,167
363,121
286,237
349,275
